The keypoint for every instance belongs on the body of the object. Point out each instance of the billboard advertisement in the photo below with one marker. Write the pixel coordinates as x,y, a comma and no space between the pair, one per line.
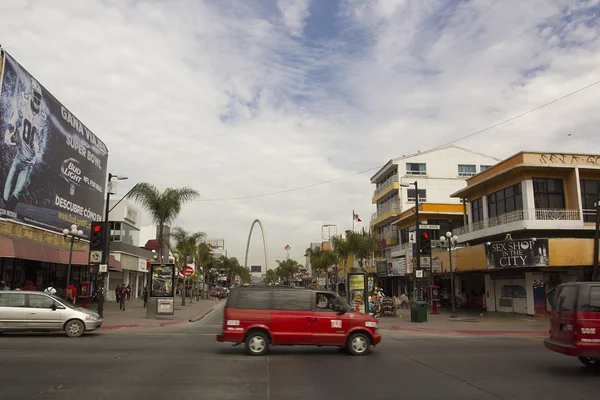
256,268
517,253
52,167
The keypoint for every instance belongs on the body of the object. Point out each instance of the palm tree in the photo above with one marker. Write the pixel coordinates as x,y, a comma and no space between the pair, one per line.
271,277
205,260
163,207
342,248
363,245
321,260
287,269
184,247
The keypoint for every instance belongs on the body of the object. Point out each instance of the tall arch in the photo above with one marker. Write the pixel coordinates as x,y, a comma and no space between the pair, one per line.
264,238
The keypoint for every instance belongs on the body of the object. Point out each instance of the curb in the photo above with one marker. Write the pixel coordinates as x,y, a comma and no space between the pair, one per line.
471,332
115,327
199,316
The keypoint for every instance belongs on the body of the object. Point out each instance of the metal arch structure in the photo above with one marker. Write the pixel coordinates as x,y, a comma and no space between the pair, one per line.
264,238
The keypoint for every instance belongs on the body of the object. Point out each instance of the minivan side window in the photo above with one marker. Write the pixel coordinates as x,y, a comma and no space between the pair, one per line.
252,300
566,298
292,300
12,300
40,301
590,299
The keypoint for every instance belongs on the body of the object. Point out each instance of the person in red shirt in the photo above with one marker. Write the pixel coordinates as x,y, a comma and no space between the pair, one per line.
28,286
70,293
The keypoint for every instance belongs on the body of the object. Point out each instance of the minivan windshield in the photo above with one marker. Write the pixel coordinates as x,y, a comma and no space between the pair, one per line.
62,302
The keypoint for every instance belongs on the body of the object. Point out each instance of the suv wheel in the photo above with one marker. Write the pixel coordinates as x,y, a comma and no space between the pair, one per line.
358,344
590,362
257,343
74,328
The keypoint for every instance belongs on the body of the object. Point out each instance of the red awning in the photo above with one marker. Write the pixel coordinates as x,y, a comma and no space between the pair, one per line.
32,250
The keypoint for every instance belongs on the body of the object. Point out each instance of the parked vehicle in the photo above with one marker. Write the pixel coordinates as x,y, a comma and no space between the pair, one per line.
22,311
261,317
219,292
575,322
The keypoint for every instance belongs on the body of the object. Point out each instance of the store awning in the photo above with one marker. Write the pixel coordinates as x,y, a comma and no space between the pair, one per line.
32,250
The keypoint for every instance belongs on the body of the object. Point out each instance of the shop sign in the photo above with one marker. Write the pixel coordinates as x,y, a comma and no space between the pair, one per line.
517,253
382,268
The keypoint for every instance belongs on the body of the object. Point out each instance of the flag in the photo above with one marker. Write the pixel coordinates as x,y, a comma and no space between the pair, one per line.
356,217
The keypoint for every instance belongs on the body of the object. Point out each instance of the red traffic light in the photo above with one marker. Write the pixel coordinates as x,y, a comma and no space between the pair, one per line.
96,228
425,235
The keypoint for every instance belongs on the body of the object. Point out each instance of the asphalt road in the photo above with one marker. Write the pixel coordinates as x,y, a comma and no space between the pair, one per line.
186,362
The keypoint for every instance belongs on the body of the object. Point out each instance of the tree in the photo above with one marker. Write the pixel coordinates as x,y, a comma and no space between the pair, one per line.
321,260
184,247
343,249
362,245
271,277
287,269
205,260
163,207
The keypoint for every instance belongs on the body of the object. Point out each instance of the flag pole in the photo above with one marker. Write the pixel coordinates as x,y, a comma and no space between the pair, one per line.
353,218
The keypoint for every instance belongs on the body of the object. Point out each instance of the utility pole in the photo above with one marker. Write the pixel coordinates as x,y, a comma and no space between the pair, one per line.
596,243
417,237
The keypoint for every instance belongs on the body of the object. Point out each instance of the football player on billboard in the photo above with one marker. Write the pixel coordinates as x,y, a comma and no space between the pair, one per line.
26,124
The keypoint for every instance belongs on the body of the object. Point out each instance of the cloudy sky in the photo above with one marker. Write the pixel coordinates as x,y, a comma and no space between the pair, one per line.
239,98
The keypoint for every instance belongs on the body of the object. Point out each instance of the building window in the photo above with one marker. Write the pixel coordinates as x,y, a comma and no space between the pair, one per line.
411,195
404,236
505,201
467,170
115,231
590,193
416,169
484,167
548,193
477,210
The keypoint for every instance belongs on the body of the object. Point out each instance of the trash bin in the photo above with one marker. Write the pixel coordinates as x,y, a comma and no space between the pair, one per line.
418,311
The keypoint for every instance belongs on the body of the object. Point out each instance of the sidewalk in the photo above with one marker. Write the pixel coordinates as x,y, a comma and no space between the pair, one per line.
134,315
469,323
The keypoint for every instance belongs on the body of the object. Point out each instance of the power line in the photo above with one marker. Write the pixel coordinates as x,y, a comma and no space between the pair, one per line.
434,148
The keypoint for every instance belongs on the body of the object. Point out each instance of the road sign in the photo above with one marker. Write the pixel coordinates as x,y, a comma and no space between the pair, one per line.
412,237
419,273
426,227
96,256
103,268
287,256
425,262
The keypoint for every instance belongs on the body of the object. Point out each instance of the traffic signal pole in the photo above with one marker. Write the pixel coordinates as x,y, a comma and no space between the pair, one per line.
417,238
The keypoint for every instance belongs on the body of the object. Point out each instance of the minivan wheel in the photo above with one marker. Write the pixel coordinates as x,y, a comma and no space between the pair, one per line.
74,328
358,344
257,343
590,362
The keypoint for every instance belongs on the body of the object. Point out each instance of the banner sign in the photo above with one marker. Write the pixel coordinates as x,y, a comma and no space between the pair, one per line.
162,279
52,167
517,253
357,292
382,268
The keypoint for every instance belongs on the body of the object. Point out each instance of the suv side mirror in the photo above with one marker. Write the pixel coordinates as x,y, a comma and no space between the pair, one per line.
339,308
53,306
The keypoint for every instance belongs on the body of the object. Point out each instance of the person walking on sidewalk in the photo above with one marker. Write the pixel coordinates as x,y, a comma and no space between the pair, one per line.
128,291
117,293
122,297
70,293
145,295
100,293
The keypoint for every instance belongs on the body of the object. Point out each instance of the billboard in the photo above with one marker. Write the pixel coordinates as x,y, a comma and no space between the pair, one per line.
517,253
256,268
52,167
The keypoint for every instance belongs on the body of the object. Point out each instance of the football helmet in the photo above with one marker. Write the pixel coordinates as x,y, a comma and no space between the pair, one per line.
36,96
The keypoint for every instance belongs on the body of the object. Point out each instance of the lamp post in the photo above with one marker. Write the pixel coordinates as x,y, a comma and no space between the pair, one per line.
109,191
452,240
71,235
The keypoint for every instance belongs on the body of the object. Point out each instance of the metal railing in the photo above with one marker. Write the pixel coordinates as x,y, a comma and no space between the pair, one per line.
535,214
395,206
387,183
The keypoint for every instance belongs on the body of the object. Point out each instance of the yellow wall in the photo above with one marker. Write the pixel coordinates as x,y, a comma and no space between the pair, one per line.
393,187
8,228
562,253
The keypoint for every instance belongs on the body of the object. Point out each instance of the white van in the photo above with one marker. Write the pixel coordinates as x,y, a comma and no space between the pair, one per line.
22,311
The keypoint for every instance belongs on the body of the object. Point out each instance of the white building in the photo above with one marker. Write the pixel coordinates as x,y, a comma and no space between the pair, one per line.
125,220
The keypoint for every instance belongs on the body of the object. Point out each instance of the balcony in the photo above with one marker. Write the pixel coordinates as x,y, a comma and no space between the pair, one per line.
385,188
385,213
521,219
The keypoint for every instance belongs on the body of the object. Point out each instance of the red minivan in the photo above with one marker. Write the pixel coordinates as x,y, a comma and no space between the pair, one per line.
575,322
272,316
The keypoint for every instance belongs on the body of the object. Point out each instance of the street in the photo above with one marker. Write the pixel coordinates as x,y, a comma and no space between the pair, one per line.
185,362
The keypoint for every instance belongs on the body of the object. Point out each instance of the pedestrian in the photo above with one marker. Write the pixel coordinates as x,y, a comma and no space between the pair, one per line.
145,295
122,298
70,293
100,293
28,286
117,291
2,285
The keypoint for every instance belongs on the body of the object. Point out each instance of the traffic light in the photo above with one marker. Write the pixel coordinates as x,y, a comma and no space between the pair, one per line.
97,236
425,244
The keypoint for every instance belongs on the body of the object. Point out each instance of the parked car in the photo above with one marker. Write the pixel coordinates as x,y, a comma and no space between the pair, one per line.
575,322
219,292
268,316
22,311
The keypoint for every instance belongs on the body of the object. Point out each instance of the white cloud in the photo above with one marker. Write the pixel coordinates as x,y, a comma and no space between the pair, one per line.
294,13
235,99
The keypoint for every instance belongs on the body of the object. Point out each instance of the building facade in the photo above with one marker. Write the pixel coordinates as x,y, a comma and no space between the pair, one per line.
437,173
529,228
125,224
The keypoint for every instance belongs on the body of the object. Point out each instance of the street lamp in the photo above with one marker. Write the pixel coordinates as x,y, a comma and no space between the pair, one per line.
452,240
71,235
